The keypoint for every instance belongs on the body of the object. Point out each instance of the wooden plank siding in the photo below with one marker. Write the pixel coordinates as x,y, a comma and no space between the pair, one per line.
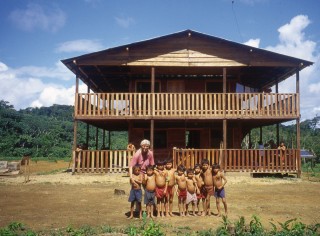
185,105
240,160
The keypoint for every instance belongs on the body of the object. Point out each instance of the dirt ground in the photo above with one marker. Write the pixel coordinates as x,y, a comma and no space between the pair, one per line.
57,200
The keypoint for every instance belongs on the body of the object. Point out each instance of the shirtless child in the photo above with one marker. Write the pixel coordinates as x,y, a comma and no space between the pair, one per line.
201,194
219,181
161,189
208,185
136,192
191,192
182,186
171,182
150,187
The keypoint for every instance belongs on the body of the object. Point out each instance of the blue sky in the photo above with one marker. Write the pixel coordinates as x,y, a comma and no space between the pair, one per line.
36,35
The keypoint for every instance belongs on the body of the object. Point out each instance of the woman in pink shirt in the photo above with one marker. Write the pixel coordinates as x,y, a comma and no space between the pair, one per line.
142,157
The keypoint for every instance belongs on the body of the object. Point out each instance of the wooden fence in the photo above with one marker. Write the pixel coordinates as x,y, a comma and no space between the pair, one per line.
184,105
101,161
241,160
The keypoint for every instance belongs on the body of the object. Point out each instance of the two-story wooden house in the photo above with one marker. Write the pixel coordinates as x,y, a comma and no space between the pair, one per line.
193,95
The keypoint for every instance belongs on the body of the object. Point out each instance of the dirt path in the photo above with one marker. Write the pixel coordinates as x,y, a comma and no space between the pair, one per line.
59,200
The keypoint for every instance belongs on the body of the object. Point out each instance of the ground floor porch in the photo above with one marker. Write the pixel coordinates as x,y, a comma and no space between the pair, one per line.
231,160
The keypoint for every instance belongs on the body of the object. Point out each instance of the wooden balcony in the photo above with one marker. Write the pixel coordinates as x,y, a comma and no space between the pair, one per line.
231,160
186,105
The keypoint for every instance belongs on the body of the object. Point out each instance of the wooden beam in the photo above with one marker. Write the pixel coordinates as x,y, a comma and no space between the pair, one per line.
152,121
75,122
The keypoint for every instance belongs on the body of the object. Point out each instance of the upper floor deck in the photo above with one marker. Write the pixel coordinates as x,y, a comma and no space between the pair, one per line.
186,105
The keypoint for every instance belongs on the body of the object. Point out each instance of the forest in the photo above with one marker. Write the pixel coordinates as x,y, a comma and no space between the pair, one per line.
48,132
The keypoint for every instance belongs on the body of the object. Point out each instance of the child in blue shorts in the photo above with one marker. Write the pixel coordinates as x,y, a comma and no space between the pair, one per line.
136,192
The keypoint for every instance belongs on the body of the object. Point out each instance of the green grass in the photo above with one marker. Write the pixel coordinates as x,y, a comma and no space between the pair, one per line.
147,227
311,170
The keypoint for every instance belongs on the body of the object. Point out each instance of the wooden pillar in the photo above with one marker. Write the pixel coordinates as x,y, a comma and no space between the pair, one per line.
75,122
109,139
298,123
87,135
260,140
277,128
151,101
224,128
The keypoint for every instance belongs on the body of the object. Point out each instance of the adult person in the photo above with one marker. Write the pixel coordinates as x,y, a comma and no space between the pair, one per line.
142,157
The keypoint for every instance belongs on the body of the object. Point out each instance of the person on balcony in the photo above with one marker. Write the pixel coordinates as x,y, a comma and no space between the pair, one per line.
282,149
143,157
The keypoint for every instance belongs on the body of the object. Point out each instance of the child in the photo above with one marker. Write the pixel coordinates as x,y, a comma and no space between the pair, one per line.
182,186
150,187
219,181
208,185
136,192
161,189
171,182
191,191
201,189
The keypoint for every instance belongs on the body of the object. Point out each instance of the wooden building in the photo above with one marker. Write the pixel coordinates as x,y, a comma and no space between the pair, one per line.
193,95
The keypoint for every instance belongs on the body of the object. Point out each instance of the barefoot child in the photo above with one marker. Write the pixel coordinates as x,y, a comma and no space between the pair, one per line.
149,192
136,192
161,189
200,185
208,185
171,182
182,186
219,181
191,191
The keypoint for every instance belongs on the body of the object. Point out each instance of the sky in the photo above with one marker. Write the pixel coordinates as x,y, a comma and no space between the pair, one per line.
35,35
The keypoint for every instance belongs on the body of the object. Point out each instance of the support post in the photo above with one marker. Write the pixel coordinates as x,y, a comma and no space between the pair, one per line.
151,105
298,124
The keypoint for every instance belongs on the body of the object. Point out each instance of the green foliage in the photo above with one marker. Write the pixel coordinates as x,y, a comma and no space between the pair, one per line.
85,230
309,135
147,228
47,132
290,227
16,229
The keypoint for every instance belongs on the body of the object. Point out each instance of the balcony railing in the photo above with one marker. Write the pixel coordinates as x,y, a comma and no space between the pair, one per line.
241,160
186,105
231,160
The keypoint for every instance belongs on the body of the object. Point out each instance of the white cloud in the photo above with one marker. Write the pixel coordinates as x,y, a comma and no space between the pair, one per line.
253,43
293,42
124,22
36,17
59,72
24,87
81,45
54,94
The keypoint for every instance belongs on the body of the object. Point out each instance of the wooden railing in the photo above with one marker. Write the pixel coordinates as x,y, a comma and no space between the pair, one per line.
101,161
232,160
236,160
185,105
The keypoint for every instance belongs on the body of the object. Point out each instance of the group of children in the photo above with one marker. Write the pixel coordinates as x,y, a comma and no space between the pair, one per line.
192,186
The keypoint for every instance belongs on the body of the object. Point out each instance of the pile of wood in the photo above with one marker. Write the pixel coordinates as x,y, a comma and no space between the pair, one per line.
9,167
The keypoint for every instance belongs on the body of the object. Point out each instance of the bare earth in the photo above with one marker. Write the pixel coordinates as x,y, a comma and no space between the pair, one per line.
59,200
